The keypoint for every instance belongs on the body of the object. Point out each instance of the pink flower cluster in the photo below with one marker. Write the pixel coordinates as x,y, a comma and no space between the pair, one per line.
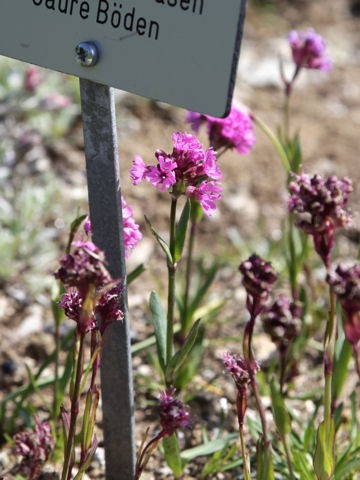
234,131
309,50
172,413
320,207
188,170
132,234
345,282
35,447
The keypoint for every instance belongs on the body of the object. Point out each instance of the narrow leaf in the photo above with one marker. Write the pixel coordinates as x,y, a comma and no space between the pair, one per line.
161,241
324,461
135,273
172,454
181,355
281,415
265,468
208,448
181,228
160,327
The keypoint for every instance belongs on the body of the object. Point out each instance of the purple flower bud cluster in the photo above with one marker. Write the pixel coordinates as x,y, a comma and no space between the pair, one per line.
345,282
188,170
83,267
33,78
281,321
320,207
309,50
35,447
236,131
132,234
106,311
258,279
172,413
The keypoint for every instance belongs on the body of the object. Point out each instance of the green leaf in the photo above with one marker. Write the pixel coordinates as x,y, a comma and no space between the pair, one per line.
135,273
161,241
265,468
351,466
160,327
172,455
181,228
208,448
324,460
281,415
73,229
181,355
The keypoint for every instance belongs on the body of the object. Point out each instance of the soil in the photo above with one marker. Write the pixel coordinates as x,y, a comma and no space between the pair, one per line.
325,110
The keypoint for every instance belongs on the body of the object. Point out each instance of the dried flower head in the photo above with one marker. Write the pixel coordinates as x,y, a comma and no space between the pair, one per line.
258,278
236,131
309,50
172,413
281,321
189,169
35,447
345,282
132,234
320,207
83,267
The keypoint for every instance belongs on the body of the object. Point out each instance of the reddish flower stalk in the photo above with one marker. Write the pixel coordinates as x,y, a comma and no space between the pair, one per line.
258,278
238,368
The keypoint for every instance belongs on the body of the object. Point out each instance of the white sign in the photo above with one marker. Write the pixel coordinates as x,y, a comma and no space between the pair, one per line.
183,52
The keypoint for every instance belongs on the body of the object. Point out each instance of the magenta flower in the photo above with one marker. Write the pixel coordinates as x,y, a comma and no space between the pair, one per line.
138,170
320,207
236,131
35,447
345,282
258,279
54,101
309,50
33,78
188,170
132,234
207,193
172,413
83,267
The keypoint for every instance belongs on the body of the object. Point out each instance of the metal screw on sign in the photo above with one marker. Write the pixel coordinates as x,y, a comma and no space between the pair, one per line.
104,191
87,54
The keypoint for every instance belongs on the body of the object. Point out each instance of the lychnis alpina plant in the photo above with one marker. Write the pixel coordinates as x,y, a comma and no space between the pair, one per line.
92,299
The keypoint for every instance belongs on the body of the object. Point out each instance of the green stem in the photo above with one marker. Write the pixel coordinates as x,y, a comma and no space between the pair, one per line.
171,283
242,444
189,262
285,440
55,412
293,270
277,144
329,350
74,408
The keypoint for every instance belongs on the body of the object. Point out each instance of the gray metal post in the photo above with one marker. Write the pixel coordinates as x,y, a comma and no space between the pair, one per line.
103,174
